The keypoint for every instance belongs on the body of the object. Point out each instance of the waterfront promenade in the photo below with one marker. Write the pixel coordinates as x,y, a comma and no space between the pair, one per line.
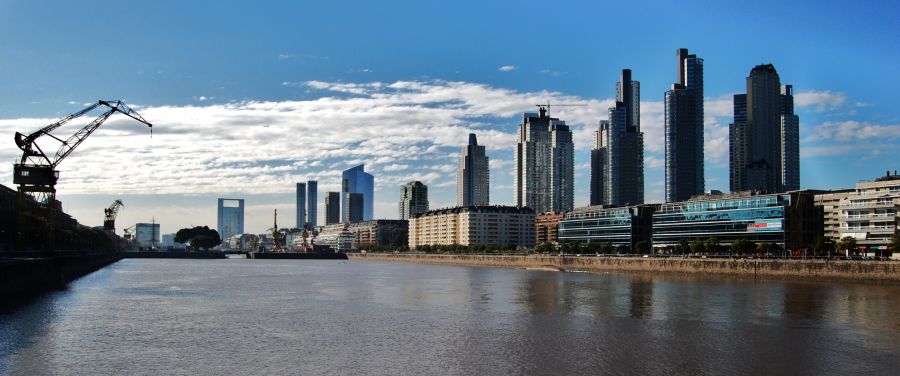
809,269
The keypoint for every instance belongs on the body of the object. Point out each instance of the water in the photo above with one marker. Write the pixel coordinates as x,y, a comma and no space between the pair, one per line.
331,318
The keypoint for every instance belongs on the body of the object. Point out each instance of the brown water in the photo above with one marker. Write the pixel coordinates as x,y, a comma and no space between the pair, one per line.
363,317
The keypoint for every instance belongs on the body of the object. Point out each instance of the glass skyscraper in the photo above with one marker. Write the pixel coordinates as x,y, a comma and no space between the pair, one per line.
301,205
357,180
617,158
544,161
413,199
312,200
231,217
332,208
473,175
684,130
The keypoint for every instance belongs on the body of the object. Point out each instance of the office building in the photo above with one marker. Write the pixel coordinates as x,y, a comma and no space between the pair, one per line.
546,227
473,225
868,213
301,205
684,130
332,208
620,227
377,232
312,202
789,221
357,180
764,137
146,236
617,157
473,176
544,162
353,211
413,199
230,217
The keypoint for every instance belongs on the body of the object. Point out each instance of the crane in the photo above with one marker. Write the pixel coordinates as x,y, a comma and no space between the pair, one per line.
109,216
545,108
36,174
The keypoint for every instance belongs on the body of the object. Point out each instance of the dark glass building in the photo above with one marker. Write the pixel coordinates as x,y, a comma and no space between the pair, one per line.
617,157
617,226
684,130
332,208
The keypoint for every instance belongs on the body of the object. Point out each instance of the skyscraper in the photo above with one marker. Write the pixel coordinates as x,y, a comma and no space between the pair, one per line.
617,158
357,180
312,200
301,205
413,199
764,137
684,130
332,208
544,160
353,211
230,217
473,176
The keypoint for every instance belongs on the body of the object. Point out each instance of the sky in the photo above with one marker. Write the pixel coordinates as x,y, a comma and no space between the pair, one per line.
248,98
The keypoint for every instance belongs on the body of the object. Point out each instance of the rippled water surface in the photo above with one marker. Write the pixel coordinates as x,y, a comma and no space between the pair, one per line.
328,317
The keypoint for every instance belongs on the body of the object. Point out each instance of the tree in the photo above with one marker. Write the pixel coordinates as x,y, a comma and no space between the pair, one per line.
683,246
763,248
894,244
712,244
743,246
198,237
643,247
698,246
846,243
823,246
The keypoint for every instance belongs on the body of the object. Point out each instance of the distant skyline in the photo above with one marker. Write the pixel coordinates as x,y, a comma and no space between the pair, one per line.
248,99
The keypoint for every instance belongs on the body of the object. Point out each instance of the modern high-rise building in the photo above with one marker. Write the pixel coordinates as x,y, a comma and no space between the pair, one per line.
544,160
231,217
312,199
617,158
684,130
473,176
357,180
353,211
765,136
413,199
301,205
332,208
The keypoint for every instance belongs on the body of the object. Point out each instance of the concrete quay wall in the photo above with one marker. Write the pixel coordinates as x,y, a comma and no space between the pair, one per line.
821,270
25,275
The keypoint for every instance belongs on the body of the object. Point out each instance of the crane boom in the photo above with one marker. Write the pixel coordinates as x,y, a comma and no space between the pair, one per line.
109,216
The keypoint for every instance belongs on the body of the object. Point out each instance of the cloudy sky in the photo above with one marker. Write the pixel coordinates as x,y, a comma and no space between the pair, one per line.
248,98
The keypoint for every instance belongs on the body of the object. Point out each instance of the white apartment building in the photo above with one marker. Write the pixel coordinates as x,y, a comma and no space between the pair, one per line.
473,225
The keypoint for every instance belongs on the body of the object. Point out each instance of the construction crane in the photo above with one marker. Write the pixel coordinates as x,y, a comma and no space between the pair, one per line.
109,216
36,174
277,236
545,108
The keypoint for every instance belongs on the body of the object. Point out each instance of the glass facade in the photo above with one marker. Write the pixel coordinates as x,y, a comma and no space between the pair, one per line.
622,226
231,217
755,218
357,180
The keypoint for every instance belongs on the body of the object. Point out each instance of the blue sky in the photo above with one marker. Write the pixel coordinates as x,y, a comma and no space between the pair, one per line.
249,97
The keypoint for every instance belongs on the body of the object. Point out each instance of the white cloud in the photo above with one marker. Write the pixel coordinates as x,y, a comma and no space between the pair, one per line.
820,100
507,68
851,130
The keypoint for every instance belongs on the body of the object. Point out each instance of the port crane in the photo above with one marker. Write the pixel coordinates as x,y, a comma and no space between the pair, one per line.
109,216
36,174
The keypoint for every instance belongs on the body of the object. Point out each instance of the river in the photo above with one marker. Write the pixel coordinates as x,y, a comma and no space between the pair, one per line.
145,316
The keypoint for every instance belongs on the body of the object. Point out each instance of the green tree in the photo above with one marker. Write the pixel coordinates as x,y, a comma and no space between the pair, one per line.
824,246
846,243
198,237
894,244
712,244
742,246
643,247
698,246
683,246
763,247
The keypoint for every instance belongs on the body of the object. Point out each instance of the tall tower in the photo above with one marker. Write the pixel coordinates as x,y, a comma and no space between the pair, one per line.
473,176
413,199
764,137
230,217
332,208
301,205
684,130
312,200
357,180
544,160
617,158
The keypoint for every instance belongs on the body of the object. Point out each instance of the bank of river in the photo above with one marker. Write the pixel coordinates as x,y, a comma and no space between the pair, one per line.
819,270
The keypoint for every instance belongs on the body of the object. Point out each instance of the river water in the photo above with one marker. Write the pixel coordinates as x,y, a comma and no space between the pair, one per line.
360,317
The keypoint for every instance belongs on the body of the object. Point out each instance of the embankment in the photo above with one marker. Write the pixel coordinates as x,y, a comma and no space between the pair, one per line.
818,270
24,276
176,255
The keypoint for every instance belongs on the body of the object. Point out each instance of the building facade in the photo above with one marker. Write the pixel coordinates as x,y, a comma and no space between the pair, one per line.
764,137
146,236
473,225
357,180
473,177
230,217
617,226
300,205
354,207
830,202
544,160
790,220
617,157
546,227
869,213
377,232
312,200
332,208
684,130
413,199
